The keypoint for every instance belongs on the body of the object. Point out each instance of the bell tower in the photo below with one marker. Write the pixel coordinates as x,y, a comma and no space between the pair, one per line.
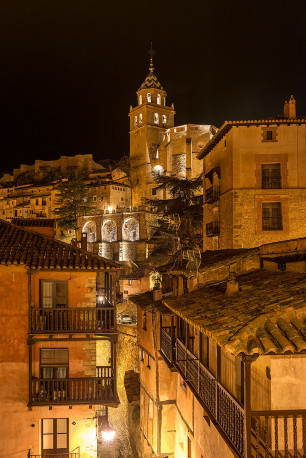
149,121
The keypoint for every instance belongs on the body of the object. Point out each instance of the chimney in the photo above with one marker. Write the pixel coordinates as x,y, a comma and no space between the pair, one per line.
286,109
84,241
292,108
232,286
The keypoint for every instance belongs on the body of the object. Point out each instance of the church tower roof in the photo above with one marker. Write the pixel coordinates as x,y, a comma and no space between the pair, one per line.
151,80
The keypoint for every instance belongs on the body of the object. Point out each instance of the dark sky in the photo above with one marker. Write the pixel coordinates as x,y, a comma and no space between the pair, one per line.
69,70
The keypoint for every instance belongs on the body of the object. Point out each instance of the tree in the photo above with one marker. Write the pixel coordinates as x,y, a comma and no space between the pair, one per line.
179,224
73,201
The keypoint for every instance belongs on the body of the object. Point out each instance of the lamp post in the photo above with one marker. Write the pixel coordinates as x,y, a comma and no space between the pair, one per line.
107,433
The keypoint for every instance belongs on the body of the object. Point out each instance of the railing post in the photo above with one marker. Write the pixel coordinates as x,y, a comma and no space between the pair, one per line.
247,360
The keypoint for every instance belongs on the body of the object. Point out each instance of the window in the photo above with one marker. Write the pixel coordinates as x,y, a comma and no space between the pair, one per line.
272,216
271,176
148,362
130,282
36,202
144,321
269,135
54,363
44,201
135,121
156,118
142,355
53,294
55,436
158,99
140,100
149,98
156,154
140,118
164,119
154,191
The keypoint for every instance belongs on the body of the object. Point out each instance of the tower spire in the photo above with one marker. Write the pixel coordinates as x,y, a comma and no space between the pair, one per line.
151,53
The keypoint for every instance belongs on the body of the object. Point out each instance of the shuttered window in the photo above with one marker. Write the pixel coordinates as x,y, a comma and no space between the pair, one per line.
53,294
54,362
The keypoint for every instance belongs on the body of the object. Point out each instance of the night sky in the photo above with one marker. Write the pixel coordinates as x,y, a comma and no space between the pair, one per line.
69,70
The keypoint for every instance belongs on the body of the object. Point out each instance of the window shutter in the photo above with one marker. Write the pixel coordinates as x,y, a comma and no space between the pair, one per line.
54,356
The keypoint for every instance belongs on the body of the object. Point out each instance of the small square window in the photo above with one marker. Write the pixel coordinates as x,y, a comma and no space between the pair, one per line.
154,191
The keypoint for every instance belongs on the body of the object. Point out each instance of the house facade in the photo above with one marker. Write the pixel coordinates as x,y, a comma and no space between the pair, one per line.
222,364
58,345
254,181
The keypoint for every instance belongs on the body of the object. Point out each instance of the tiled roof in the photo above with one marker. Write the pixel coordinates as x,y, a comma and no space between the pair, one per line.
19,246
151,82
31,222
132,386
227,125
266,316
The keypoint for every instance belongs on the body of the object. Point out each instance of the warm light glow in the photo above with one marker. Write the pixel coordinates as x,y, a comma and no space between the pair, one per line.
108,434
110,209
101,299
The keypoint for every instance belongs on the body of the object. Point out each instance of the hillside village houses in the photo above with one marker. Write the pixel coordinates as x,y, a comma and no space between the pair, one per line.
222,347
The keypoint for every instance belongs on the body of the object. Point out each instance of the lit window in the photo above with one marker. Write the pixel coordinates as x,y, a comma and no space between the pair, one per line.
158,99
135,121
130,282
140,118
149,98
140,100
156,118
164,119
156,154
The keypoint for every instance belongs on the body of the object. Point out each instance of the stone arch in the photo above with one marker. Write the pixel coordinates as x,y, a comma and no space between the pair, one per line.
130,230
109,231
91,230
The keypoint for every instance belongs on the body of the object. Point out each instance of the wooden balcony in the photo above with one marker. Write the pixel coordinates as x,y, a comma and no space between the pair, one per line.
273,434
72,320
56,455
212,194
68,391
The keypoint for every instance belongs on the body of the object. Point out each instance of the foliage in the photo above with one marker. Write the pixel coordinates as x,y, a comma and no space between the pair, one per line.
180,219
73,201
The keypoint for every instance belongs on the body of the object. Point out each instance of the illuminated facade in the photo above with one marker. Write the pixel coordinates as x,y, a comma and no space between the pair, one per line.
231,379
58,306
254,181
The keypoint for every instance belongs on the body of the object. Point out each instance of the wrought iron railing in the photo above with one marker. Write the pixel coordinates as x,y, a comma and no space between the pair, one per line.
65,391
56,455
68,319
274,433
212,229
212,194
271,182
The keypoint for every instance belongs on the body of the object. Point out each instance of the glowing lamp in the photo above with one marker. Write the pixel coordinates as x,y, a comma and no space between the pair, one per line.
108,434
110,209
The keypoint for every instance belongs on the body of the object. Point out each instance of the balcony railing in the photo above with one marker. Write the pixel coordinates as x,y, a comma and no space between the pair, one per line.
67,391
274,433
279,433
56,455
212,229
212,194
271,182
72,320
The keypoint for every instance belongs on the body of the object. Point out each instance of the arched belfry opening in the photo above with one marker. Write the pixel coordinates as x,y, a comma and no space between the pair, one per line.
130,230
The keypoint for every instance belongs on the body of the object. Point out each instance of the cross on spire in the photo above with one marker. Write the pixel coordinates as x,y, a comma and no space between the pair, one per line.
151,53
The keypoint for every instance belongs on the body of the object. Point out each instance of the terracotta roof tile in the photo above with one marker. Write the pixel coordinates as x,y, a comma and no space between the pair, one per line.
31,222
268,314
21,246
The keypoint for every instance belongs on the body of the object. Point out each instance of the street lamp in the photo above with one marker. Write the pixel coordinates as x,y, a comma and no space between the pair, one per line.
108,434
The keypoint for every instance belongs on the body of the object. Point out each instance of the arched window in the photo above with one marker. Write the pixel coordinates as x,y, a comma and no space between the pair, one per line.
109,231
91,231
135,121
149,98
164,119
157,170
130,230
140,100
158,99
156,118
140,118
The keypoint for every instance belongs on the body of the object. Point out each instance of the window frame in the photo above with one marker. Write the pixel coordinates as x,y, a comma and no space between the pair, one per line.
55,449
54,296
269,178
280,217
54,366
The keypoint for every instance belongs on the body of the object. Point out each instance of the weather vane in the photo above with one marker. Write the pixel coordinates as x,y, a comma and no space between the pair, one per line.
151,53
